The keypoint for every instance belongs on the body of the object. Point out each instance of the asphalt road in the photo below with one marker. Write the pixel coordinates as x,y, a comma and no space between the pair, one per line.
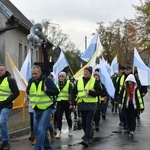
110,137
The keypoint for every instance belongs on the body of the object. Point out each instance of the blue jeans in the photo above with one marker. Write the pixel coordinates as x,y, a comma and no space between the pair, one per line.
87,123
50,127
4,113
105,105
123,118
41,120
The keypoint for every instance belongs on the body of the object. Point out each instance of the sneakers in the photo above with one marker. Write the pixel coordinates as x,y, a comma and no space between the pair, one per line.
104,116
85,143
70,132
58,135
131,133
97,128
5,146
138,116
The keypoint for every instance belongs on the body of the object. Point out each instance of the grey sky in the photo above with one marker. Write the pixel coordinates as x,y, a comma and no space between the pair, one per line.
77,18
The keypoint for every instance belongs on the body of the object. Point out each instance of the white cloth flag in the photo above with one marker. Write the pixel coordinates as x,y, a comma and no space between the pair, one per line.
26,67
143,70
21,82
106,80
114,66
60,64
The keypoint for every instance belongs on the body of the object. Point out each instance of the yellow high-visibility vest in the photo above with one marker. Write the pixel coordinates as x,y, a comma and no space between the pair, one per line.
63,94
82,91
38,97
5,90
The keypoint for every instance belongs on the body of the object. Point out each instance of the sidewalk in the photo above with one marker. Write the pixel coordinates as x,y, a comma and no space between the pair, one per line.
16,126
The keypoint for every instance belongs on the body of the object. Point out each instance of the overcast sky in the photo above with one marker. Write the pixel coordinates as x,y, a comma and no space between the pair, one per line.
77,18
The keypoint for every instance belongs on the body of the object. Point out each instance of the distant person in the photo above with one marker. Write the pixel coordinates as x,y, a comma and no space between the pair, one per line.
130,101
41,90
8,93
119,88
101,100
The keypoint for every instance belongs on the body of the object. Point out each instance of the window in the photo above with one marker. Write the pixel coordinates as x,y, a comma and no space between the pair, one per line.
20,56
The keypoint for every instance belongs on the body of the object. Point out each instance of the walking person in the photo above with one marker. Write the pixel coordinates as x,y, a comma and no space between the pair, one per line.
63,103
41,90
8,93
100,103
87,89
131,101
119,88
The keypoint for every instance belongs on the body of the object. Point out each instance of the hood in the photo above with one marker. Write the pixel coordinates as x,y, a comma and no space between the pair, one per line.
130,77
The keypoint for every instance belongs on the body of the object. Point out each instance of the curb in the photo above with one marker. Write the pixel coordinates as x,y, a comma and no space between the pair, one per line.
19,133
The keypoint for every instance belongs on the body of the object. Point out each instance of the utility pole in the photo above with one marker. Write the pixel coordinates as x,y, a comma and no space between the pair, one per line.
85,42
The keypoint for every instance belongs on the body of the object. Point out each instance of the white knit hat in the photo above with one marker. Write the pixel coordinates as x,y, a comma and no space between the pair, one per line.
62,74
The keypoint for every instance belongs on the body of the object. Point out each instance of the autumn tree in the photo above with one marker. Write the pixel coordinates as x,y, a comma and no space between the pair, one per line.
61,41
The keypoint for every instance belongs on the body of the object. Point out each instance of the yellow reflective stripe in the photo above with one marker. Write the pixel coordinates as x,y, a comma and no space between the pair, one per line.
6,91
140,99
64,96
37,95
81,90
123,97
43,102
121,83
64,92
5,94
85,97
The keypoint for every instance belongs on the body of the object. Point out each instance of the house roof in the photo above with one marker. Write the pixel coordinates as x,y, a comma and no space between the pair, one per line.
23,21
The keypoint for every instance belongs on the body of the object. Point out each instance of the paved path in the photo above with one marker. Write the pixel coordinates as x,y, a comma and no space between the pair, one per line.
110,137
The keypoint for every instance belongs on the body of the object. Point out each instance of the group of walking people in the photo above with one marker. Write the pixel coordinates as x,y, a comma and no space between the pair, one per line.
87,93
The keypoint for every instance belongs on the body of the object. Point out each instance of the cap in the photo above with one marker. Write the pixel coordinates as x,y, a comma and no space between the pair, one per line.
121,67
97,69
128,67
89,68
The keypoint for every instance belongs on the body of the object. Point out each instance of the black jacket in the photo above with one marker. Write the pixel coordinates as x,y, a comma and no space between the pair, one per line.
8,103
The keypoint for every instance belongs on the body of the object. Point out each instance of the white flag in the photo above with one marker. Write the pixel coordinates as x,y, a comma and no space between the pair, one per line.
143,70
26,67
60,64
21,82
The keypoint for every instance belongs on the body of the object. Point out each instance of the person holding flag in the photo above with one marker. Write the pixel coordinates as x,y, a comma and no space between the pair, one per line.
85,92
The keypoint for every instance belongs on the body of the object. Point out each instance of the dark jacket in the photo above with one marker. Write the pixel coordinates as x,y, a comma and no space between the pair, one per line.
8,103
51,87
